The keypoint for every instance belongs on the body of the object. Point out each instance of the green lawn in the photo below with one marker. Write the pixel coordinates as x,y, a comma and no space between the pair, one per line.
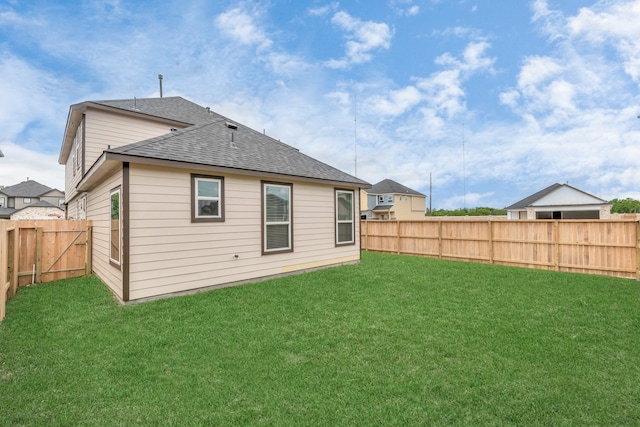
396,340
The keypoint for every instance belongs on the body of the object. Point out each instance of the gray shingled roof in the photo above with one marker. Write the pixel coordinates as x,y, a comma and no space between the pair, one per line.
528,201
522,204
28,188
42,204
5,213
210,143
382,208
389,186
172,108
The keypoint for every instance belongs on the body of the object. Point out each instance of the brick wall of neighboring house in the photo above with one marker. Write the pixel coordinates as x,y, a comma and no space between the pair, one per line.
39,213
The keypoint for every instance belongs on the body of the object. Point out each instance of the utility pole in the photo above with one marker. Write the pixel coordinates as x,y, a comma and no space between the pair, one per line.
430,198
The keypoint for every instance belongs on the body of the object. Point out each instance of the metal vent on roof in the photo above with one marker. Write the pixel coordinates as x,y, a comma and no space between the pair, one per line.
231,125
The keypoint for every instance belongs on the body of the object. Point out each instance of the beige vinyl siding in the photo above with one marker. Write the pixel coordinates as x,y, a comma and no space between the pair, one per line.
72,209
171,254
409,208
70,180
98,210
104,129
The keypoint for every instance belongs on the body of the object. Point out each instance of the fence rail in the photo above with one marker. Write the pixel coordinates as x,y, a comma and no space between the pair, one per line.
600,247
38,251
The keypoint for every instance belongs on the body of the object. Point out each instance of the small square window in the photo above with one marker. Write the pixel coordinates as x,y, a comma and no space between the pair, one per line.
207,193
26,200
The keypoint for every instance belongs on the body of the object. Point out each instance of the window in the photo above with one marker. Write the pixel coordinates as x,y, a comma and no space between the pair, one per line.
114,236
82,207
73,158
389,199
1,202
344,217
207,193
61,203
380,199
276,210
78,148
26,200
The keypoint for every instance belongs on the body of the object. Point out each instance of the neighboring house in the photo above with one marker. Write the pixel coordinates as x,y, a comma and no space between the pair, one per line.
38,210
560,201
28,194
391,200
182,199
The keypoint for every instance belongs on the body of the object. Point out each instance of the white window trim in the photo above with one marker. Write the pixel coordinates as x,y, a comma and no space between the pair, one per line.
351,221
111,193
289,247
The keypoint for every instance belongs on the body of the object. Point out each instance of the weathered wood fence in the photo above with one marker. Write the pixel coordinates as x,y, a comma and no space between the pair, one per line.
601,247
38,251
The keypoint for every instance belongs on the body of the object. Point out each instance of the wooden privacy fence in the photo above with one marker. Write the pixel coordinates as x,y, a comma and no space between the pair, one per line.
601,247
38,251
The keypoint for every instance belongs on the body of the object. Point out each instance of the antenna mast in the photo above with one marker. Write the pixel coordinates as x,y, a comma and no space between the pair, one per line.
464,174
355,134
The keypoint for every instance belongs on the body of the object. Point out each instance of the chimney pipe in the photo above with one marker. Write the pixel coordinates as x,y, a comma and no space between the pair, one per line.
160,78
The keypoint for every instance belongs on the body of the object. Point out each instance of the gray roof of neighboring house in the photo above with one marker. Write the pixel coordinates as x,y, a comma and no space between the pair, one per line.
28,188
221,142
5,213
527,201
388,186
42,204
382,208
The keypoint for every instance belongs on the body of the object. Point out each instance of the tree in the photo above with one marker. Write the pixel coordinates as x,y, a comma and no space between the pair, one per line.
627,205
479,211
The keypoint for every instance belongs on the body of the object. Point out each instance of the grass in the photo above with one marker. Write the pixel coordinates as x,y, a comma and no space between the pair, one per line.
395,340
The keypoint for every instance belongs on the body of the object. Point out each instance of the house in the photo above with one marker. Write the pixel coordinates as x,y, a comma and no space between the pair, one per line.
31,200
184,199
391,200
560,201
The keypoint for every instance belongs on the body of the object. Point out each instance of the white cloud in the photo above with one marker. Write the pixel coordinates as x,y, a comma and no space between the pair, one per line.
324,10
241,26
20,163
397,102
551,22
363,37
615,24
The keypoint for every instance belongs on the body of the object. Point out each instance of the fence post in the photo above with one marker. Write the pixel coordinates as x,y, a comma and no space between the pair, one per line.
16,258
637,250
440,239
38,254
89,250
556,243
490,241
398,236
4,268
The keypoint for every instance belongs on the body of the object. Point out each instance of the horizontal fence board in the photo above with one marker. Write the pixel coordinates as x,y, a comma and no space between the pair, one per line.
601,247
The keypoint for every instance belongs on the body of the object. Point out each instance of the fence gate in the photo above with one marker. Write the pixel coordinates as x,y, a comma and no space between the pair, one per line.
38,251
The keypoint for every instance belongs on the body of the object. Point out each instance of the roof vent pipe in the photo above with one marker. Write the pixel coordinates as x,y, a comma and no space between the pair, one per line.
160,79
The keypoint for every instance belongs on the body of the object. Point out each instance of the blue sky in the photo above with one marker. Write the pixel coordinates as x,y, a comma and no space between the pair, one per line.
495,99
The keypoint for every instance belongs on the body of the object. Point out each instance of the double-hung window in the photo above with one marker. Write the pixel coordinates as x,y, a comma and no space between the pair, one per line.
277,223
114,235
345,229
207,193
